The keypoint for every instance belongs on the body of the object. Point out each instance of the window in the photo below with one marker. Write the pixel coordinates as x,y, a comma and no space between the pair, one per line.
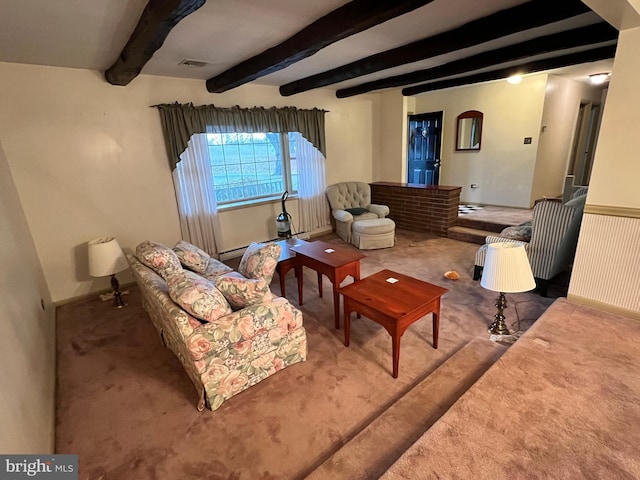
250,167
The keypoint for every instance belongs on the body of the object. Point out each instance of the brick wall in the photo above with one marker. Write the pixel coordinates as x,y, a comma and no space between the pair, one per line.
420,208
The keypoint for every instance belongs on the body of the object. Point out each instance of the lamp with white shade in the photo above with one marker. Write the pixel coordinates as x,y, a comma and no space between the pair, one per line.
506,270
106,258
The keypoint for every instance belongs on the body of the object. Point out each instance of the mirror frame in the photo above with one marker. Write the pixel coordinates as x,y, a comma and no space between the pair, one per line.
462,116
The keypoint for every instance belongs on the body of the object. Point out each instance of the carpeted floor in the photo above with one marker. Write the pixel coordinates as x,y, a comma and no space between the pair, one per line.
562,403
128,410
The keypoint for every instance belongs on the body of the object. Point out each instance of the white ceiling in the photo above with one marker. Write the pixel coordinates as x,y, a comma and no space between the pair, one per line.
91,34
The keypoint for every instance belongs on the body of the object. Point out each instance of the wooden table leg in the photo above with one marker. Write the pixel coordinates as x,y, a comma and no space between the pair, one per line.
281,277
395,339
356,277
436,327
319,284
347,323
336,305
299,275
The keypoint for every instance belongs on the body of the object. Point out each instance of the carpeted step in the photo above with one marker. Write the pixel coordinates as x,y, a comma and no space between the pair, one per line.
471,235
374,449
481,224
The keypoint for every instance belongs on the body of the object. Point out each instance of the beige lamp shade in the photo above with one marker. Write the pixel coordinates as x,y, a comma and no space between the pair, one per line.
507,269
106,257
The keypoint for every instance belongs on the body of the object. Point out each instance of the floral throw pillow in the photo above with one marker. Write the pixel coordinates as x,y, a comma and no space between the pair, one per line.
197,296
192,257
260,261
243,292
159,258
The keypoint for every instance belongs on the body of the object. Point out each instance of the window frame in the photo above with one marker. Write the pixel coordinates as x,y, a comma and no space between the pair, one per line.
287,177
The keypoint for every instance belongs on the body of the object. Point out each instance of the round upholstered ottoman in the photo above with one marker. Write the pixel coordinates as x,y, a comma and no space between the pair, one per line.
374,233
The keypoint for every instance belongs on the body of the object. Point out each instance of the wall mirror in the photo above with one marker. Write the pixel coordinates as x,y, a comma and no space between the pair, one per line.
469,130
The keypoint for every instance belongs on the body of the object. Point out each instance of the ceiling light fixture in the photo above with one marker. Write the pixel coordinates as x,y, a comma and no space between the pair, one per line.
514,79
599,78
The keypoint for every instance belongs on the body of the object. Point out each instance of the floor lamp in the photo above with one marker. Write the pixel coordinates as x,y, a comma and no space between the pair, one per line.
506,270
106,258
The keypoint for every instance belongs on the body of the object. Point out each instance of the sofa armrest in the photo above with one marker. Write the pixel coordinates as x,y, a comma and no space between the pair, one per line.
163,311
342,215
231,331
380,210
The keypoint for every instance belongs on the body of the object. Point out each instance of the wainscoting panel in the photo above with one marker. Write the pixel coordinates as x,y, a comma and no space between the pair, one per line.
607,264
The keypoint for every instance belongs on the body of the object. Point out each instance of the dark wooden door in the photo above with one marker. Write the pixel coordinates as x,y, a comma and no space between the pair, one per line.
423,154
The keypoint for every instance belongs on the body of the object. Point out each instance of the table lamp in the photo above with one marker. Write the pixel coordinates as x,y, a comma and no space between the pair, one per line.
106,258
506,270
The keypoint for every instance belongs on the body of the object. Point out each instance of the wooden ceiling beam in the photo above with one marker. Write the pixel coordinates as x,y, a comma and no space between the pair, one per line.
155,23
590,35
586,56
352,18
532,14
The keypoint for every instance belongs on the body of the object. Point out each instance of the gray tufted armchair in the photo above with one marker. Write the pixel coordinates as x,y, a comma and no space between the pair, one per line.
356,197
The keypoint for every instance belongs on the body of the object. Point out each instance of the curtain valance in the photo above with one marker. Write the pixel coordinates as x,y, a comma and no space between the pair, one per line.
181,121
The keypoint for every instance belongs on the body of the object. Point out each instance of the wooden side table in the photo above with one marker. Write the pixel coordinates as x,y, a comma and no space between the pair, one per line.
337,262
394,301
287,261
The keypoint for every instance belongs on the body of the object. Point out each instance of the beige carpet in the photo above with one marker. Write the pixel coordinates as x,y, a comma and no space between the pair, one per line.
128,410
389,435
562,403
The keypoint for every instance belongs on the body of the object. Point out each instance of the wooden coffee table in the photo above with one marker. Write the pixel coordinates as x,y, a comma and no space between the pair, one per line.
287,261
394,305
335,261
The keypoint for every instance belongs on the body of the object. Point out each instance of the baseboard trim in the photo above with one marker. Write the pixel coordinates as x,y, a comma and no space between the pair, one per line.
603,306
238,252
321,231
231,254
86,296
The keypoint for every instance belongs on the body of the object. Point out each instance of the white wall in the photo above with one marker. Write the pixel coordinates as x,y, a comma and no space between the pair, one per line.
88,160
27,375
559,116
391,156
503,169
614,179
608,257
240,225
622,14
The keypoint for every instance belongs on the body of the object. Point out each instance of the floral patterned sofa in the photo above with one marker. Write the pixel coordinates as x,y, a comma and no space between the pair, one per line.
226,328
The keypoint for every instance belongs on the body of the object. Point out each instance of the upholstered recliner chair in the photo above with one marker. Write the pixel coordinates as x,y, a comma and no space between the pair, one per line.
350,204
554,237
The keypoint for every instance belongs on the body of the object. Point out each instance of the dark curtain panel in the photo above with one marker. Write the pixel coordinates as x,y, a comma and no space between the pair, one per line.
181,121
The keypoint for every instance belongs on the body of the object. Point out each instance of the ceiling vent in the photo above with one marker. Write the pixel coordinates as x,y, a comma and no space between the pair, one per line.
192,63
